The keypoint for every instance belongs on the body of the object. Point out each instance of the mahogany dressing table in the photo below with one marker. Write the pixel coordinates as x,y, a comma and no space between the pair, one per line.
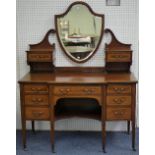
50,93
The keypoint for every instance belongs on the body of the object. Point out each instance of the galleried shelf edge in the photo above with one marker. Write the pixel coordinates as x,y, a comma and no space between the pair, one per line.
50,93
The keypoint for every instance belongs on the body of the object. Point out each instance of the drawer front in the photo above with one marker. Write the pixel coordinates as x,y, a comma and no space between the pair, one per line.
32,113
39,57
35,88
119,100
118,89
118,57
77,90
36,100
118,113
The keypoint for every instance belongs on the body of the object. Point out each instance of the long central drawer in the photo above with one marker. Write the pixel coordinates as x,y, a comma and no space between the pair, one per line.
77,90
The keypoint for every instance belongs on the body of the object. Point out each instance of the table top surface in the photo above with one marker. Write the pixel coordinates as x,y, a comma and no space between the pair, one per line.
78,78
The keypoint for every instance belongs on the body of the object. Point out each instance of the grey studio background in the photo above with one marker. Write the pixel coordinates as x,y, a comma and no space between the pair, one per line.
36,17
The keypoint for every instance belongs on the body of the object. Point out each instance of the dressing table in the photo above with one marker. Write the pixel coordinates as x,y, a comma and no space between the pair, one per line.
50,93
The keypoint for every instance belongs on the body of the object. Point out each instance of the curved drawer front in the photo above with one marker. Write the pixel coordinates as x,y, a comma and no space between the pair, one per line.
35,88
119,57
77,90
119,100
118,89
32,113
36,100
118,113
39,57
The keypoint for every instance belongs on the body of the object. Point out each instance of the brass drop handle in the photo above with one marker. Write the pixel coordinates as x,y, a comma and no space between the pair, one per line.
33,89
115,99
118,89
33,56
40,100
61,90
115,56
118,112
37,100
37,114
122,99
119,56
43,56
91,90
123,56
64,91
36,56
115,89
34,100
88,91
122,89
36,89
68,90
118,101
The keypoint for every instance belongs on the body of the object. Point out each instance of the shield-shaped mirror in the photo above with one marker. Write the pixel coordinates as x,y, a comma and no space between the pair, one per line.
79,31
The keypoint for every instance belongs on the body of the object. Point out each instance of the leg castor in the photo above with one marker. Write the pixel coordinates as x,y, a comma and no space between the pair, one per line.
53,148
25,148
133,148
104,151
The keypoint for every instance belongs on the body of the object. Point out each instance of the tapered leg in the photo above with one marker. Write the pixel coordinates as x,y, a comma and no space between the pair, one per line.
133,115
33,126
52,130
24,133
103,119
103,137
133,136
23,120
52,137
128,127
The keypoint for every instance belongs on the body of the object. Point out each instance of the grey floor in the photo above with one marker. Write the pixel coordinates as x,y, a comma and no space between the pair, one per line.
77,143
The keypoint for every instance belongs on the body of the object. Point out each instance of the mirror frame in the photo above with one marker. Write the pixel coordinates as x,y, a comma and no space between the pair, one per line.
91,11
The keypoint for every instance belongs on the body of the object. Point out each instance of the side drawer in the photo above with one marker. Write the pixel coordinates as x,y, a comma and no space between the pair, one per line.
33,113
119,89
118,57
118,100
118,114
39,58
35,88
36,100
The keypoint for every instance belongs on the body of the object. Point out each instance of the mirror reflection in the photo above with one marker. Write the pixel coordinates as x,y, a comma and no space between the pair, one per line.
79,32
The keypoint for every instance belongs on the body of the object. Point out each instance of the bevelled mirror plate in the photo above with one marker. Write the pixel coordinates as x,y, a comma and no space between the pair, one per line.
79,31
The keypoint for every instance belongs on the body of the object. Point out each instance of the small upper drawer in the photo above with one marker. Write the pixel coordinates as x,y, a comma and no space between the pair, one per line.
118,100
36,100
118,57
32,113
118,114
77,90
35,88
39,57
118,89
